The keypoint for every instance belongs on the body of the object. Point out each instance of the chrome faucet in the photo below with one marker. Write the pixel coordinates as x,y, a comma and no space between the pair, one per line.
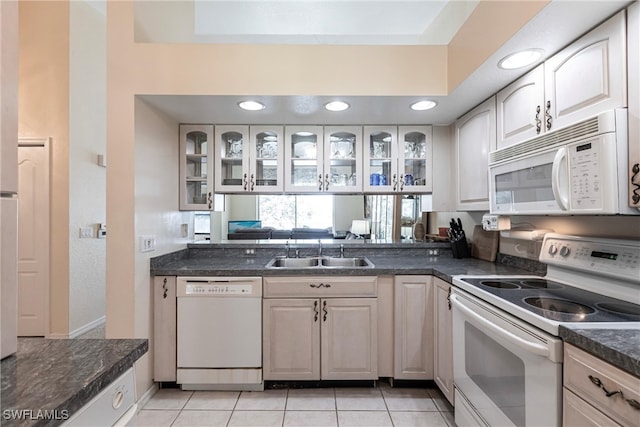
287,248
319,248
341,251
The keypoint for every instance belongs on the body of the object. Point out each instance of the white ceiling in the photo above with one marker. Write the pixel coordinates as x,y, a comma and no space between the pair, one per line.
554,27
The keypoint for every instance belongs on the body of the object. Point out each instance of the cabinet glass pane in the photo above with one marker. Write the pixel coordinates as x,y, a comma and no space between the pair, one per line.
196,155
266,155
304,162
196,192
342,159
415,158
232,158
380,158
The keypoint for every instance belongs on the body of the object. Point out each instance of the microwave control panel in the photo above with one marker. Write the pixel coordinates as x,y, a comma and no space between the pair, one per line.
585,176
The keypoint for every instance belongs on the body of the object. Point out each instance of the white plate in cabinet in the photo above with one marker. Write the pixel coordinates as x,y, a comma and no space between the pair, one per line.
320,286
610,390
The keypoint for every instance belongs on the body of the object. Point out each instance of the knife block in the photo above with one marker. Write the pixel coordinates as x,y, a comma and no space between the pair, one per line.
460,248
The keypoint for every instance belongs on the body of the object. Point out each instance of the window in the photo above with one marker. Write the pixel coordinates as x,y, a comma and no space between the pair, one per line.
285,212
202,222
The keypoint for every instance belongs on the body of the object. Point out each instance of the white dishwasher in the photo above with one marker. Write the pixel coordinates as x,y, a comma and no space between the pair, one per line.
219,333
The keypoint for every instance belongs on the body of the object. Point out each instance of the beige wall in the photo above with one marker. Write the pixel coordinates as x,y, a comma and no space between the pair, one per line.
87,180
156,213
44,111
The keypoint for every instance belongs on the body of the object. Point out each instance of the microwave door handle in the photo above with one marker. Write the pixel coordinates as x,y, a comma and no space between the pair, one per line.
558,161
539,349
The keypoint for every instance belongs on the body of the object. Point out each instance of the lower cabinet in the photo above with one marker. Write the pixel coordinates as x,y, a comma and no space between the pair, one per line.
307,337
443,339
413,338
597,393
164,329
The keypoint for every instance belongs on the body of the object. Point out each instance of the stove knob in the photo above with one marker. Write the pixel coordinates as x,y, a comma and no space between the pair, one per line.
553,249
565,251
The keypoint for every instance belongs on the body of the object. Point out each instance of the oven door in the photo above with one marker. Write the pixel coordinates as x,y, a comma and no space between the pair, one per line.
508,372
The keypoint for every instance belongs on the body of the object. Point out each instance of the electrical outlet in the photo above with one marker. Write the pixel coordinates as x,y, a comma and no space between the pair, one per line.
86,232
147,243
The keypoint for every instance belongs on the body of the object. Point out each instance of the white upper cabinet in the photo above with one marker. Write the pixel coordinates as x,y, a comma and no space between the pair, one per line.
520,109
303,169
582,80
475,137
232,158
398,159
634,103
323,159
343,159
587,77
249,159
196,167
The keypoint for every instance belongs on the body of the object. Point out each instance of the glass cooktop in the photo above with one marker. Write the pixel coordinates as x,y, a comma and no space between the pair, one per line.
556,301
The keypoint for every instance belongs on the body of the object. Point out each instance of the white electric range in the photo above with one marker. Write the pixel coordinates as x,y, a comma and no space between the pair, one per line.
507,353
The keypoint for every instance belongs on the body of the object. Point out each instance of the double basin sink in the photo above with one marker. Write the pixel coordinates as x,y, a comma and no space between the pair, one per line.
320,262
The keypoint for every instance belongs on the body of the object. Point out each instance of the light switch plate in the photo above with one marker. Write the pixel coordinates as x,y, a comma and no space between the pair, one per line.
147,243
86,232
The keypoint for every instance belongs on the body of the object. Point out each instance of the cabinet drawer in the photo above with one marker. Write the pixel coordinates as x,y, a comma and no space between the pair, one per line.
578,413
582,369
320,286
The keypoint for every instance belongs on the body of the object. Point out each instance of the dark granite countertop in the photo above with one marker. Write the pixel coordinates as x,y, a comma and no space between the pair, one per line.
620,347
62,374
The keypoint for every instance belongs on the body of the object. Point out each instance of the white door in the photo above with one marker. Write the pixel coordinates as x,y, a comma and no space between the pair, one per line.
33,237
520,109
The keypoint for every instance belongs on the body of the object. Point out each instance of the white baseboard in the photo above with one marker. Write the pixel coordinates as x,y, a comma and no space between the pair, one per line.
147,395
89,326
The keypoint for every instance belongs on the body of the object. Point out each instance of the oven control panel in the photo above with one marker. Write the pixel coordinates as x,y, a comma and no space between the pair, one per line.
609,257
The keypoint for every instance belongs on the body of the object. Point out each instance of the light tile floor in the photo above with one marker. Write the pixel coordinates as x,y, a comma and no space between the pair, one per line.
379,406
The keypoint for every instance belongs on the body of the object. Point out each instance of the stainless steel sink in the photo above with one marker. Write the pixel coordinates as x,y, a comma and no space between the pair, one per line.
293,262
346,262
320,262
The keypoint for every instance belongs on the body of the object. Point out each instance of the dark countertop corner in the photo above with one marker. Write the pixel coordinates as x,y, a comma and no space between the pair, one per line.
63,374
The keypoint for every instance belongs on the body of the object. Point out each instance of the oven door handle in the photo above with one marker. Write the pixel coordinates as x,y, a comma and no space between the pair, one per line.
539,349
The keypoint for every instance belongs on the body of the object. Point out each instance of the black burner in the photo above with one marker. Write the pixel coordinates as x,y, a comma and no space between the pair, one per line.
621,308
539,284
499,284
559,305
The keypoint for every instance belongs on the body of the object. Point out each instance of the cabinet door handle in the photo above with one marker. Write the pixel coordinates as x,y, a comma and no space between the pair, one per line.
547,114
320,183
538,121
632,402
252,183
246,183
210,200
315,311
324,310
326,182
165,289
395,182
449,298
635,197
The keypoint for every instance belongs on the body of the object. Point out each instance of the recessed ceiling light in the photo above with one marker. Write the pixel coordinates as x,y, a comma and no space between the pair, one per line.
251,105
336,106
520,59
304,133
423,105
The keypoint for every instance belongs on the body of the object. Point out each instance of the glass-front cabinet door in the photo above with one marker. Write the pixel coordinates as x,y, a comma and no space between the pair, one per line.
232,158
381,159
266,159
303,159
415,159
196,167
342,159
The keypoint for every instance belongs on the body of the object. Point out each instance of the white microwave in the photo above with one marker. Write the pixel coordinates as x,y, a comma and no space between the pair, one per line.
579,169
